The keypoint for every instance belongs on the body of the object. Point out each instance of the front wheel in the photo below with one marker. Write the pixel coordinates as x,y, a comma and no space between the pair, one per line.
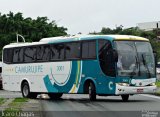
92,92
125,98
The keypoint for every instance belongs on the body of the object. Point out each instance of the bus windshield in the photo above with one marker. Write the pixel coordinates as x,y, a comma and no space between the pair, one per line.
135,58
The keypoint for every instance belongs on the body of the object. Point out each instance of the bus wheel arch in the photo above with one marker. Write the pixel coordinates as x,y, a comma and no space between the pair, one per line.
25,89
90,88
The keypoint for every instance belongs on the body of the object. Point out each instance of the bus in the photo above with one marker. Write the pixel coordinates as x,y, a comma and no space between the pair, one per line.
103,65
0,75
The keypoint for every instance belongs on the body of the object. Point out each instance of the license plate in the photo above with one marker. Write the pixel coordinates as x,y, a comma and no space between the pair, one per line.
139,90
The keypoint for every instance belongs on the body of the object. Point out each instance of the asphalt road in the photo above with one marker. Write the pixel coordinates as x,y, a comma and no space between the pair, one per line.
8,94
112,106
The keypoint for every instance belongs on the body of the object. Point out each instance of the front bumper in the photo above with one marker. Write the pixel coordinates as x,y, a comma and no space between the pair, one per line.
120,90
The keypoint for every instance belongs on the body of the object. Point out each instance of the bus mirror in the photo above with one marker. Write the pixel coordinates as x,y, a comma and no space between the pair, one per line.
115,55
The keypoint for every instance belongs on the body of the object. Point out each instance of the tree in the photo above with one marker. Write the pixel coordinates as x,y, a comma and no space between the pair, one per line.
151,35
32,29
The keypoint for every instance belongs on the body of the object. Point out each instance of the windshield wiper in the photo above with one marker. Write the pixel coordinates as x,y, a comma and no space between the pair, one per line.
147,69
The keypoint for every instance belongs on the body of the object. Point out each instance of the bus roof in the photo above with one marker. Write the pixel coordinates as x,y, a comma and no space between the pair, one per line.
78,37
89,37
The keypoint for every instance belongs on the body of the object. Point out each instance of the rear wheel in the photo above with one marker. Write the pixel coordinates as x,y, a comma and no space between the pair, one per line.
92,92
55,96
26,91
125,97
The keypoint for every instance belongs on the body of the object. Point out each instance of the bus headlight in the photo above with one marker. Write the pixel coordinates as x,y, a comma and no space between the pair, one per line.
152,84
123,84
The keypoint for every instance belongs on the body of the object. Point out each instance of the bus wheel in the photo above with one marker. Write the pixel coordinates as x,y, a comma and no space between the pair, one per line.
125,98
55,96
92,92
25,90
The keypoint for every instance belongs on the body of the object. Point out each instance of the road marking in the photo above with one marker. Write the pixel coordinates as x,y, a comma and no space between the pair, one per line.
152,96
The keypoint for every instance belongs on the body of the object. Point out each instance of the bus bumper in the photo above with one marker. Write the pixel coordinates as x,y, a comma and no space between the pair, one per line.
120,90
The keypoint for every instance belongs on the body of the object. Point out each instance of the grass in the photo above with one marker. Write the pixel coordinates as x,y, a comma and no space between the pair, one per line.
18,102
14,108
158,83
2,100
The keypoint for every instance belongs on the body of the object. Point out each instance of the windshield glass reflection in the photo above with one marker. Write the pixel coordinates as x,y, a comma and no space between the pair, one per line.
135,59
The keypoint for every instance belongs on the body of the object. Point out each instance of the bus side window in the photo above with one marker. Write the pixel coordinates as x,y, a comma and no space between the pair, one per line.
106,58
57,52
46,55
18,55
43,53
72,50
30,54
8,55
89,50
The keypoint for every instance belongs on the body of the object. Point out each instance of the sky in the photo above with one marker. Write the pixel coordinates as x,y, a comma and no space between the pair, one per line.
87,15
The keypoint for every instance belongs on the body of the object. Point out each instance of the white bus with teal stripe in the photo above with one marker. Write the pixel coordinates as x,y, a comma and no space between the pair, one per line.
103,65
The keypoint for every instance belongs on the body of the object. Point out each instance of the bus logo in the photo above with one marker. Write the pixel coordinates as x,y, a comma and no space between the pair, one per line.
110,85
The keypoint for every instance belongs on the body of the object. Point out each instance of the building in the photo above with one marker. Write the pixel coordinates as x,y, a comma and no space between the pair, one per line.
149,26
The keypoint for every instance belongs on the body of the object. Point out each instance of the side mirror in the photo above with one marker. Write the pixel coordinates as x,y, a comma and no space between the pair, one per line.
115,55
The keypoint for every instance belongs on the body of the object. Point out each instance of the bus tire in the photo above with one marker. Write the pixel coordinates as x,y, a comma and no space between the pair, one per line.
92,92
25,90
55,96
125,98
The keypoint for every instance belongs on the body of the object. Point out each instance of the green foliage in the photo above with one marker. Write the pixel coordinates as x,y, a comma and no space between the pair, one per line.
151,35
32,29
20,100
158,84
15,107
2,100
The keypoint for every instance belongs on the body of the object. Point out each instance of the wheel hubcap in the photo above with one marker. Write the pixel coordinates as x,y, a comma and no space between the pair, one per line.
25,90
